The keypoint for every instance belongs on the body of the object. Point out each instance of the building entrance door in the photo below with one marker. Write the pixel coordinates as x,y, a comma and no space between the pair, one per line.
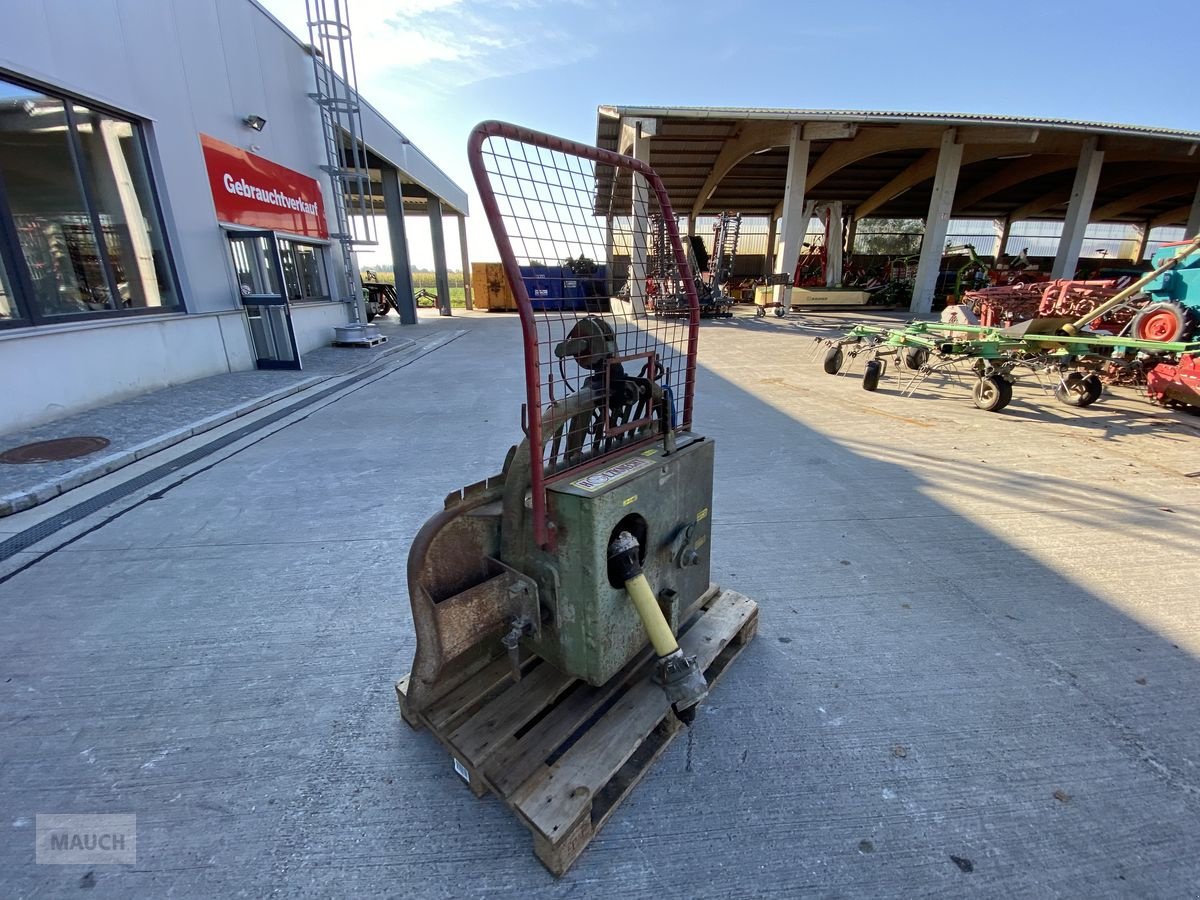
260,277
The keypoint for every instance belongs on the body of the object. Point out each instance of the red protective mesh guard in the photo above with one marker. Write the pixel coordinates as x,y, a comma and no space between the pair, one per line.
608,305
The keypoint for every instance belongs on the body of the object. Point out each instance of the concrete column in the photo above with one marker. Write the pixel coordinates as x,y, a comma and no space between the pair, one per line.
639,222
937,222
1003,228
609,254
851,233
393,207
1083,193
1193,223
466,262
795,222
835,237
439,256
769,257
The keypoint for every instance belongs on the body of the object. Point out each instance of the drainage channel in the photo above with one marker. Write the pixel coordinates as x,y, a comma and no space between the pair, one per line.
25,539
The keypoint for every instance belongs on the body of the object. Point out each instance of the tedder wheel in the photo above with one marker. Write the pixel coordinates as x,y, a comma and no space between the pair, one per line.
915,358
1165,321
781,311
760,312
1077,389
833,361
992,393
871,373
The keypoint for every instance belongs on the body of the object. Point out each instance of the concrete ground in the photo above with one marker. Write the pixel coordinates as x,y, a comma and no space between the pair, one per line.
976,670
147,423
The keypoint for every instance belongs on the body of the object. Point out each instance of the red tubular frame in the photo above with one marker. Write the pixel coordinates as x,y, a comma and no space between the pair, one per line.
487,197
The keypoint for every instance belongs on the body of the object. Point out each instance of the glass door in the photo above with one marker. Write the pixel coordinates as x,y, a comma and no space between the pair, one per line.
260,278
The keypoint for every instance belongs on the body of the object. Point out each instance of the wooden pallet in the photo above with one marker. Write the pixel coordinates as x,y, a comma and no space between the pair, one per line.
563,754
368,343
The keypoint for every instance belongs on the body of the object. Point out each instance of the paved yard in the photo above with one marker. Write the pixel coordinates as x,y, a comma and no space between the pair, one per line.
976,670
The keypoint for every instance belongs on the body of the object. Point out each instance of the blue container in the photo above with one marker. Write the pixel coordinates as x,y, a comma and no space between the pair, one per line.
552,288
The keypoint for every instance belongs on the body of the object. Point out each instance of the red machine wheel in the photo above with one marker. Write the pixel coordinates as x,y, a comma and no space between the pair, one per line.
1160,322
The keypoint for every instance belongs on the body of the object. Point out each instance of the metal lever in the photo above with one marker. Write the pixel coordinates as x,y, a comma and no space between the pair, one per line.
512,643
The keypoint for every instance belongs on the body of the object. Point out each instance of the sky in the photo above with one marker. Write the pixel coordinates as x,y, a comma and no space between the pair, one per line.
435,68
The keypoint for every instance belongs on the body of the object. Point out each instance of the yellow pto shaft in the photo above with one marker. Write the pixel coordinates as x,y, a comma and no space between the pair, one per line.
657,627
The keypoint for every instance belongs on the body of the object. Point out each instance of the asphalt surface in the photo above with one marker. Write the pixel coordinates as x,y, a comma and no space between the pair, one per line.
975,673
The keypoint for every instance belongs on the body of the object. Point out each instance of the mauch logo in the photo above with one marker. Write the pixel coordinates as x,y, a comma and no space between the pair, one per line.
68,840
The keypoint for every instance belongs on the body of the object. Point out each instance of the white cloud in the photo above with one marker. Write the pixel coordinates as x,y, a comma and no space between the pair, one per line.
442,45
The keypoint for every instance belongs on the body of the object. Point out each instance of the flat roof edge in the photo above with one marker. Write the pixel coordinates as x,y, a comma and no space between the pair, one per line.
609,111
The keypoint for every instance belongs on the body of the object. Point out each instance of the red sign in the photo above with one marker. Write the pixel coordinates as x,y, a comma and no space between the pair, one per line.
252,191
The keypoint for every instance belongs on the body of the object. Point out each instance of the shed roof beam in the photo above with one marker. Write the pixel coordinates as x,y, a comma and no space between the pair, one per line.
937,222
1041,204
1079,210
1061,196
755,137
989,134
1164,190
870,142
922,170
1177,216
866,144
1016,172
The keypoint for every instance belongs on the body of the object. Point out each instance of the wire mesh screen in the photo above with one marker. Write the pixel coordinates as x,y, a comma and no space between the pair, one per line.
605,292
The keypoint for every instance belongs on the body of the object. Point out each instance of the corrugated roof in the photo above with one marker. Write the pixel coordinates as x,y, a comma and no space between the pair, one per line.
879,163
882,117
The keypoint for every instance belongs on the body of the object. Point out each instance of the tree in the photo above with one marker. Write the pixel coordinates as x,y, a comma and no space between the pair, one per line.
888,237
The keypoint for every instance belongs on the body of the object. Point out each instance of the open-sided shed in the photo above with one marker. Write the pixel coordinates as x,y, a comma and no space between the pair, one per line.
931,166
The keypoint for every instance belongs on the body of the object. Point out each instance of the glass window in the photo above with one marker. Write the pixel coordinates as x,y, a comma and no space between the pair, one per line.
119,188
79,197
252,265
304,270
8,300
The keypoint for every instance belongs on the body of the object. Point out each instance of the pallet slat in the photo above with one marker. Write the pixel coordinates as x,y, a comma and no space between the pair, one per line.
487,731
512,767
552,800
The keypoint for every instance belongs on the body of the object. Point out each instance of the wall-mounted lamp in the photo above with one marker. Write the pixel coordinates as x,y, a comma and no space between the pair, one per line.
258,123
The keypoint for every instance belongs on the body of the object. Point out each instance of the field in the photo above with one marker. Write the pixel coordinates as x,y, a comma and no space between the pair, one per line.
428,281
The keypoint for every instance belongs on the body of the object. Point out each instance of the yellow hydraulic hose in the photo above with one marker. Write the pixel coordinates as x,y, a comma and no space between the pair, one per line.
656,623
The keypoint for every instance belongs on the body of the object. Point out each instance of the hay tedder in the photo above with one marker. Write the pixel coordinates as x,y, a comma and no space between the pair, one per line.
1159,347
566,628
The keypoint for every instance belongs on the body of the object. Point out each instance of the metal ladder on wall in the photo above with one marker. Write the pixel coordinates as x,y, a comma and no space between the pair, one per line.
353,199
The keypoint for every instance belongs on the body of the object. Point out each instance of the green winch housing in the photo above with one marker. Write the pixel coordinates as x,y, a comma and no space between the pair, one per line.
664,500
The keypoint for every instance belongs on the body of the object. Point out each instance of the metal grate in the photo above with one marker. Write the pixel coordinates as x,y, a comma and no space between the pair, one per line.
610,343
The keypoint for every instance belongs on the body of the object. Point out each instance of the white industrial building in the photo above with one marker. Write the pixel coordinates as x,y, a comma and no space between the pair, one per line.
167,203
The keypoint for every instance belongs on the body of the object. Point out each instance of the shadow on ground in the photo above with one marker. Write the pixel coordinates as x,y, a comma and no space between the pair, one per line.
968,678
